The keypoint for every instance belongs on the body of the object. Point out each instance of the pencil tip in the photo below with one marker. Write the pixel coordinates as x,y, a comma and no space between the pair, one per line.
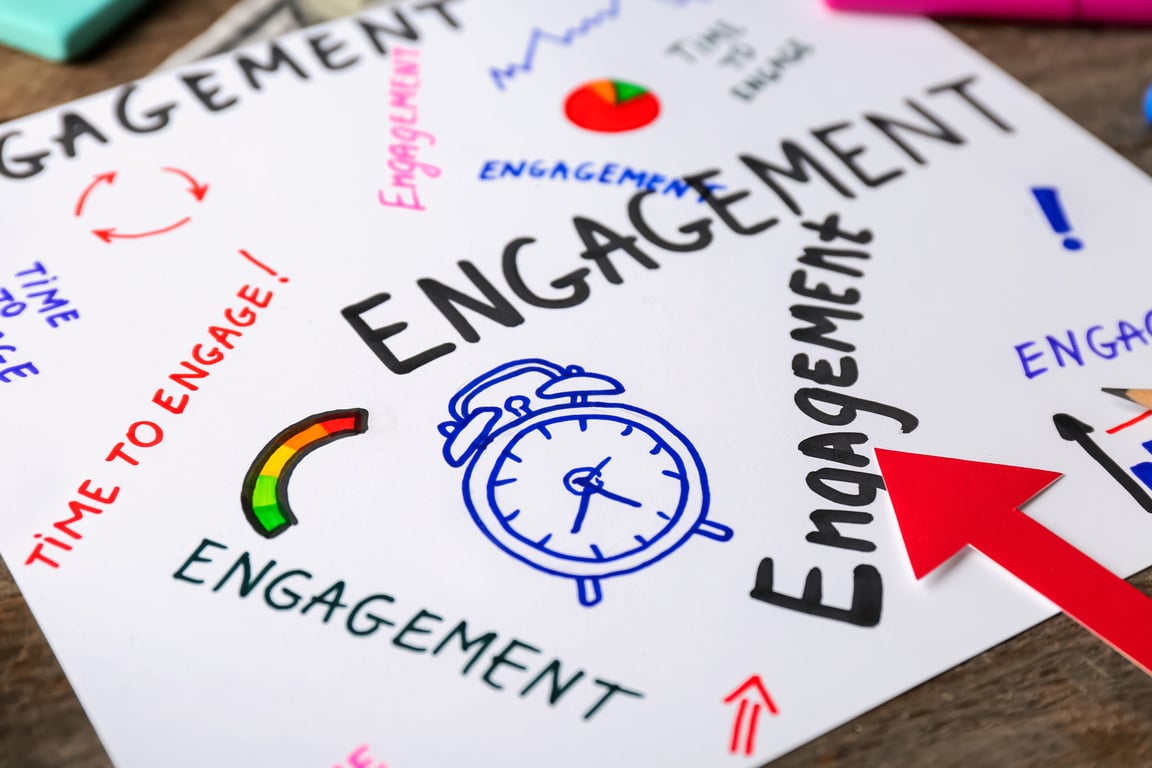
1122,393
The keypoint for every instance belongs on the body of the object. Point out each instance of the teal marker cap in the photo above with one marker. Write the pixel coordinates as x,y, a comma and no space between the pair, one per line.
59,30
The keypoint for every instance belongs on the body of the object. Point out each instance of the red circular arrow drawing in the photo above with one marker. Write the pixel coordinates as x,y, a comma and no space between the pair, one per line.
103,178
197,189
110,234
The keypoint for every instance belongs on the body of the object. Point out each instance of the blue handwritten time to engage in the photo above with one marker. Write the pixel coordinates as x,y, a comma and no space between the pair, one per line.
1105,342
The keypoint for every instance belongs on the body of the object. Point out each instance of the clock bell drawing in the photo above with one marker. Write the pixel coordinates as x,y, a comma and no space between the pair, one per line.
565,478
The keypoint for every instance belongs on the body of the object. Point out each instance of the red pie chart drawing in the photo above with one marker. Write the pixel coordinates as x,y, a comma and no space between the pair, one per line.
611,106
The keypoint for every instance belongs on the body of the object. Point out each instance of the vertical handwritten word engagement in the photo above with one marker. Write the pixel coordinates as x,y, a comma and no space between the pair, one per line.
405,84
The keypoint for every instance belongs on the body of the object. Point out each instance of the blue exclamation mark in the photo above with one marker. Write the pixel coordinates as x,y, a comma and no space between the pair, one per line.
1049,200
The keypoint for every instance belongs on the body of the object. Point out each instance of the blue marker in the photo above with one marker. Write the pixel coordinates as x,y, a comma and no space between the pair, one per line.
60,29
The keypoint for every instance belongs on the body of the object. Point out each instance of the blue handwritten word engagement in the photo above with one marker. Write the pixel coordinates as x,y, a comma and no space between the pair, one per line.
1105,342
611,174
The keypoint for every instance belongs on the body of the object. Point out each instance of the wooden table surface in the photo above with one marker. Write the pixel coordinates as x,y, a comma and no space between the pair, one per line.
1053,696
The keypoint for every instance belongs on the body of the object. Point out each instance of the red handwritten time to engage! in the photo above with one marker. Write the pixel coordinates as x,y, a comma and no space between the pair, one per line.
143,434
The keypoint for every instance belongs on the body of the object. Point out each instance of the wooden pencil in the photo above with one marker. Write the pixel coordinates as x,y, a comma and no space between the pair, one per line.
1142,397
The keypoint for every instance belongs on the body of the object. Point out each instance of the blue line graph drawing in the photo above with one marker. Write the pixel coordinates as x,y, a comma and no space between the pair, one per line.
501,75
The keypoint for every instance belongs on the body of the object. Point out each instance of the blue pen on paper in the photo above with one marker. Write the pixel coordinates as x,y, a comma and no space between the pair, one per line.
1049,200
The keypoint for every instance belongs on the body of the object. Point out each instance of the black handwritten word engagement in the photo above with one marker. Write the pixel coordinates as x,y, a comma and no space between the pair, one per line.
835,157
842,481
22,157
502,664
801,165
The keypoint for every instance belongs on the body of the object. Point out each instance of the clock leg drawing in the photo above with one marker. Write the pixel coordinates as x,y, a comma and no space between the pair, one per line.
571,481
714,531
588,590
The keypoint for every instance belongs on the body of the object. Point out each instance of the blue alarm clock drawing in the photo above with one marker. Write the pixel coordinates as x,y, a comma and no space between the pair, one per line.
565,478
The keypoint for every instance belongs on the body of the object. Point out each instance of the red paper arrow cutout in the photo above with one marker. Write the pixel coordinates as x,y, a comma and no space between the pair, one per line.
944,505
103,178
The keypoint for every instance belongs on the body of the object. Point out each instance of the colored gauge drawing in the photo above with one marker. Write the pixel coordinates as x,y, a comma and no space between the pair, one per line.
611,106
264,495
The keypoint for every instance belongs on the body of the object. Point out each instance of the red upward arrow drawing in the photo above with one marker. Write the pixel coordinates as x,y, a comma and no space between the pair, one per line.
197,189
752,695
103,178
944,505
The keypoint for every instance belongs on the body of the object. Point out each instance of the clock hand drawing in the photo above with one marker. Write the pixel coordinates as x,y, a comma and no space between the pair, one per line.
567,481
585,482
588,488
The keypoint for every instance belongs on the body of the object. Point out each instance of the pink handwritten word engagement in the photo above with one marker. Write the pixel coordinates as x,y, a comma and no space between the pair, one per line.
405,84
360,759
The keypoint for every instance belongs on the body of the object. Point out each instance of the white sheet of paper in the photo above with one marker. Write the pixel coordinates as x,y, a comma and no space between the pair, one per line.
565,596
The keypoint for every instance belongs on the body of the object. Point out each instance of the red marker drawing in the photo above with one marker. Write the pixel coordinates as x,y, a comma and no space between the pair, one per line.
197,189
752,695
1141,397
110,234
103,178
262,265
944,505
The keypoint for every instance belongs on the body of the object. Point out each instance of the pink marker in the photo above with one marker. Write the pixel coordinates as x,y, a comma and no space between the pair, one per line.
1117,11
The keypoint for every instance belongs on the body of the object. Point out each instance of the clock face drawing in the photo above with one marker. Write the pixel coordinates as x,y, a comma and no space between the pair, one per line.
574,486
588,487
